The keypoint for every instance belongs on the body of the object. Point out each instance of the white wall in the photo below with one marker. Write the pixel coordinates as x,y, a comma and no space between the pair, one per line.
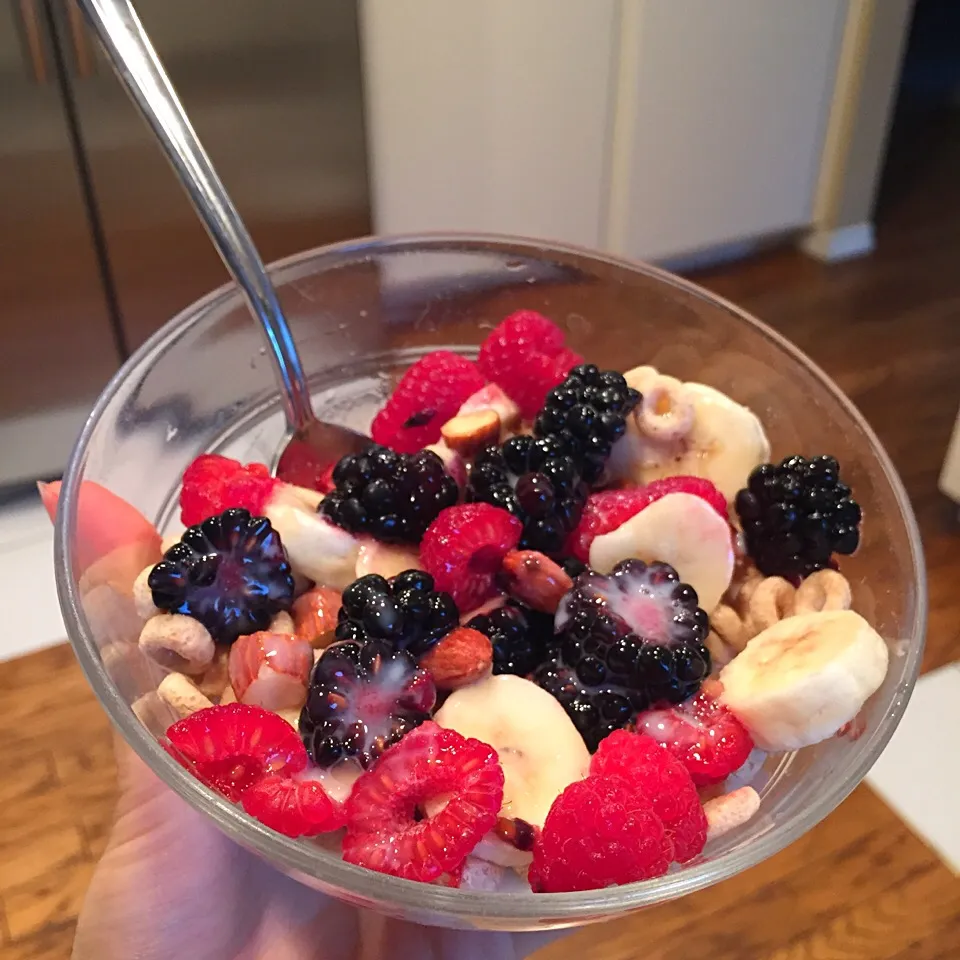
489,115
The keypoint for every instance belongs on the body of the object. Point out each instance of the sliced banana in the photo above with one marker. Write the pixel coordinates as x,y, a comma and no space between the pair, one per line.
385,559
316,548
539,748
799,681
724,442
680,529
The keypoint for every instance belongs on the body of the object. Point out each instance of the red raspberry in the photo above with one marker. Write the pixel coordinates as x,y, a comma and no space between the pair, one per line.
427,396
665,782
463,550
385,827
600,831
703,735
212,484
295,808
232,747
526,356
609,509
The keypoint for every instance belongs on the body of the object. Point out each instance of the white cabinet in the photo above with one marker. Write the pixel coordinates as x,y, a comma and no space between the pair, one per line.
490,115
649,127
721,119
950,474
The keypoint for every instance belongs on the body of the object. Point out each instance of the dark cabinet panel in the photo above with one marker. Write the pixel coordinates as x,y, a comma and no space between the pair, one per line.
274,92
57,349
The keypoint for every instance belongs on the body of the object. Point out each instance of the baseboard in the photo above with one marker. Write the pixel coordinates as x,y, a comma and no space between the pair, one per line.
844,243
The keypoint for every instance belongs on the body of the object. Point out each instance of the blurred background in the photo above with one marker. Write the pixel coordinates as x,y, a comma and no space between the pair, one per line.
801,158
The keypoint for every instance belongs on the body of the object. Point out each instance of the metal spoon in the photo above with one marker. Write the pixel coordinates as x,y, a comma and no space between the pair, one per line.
313,445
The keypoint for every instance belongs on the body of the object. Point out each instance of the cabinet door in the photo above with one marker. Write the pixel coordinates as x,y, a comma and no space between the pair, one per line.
56,346
274,92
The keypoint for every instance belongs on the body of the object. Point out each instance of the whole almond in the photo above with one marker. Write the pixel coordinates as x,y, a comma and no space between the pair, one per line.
535,579
468,432
315,616
493,397
463,656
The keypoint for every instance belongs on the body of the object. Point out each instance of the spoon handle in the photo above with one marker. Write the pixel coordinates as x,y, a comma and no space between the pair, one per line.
139,69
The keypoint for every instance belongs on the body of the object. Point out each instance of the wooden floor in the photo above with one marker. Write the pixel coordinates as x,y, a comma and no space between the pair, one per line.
858,887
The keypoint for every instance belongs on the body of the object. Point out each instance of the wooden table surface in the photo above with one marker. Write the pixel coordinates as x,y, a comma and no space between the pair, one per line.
860,886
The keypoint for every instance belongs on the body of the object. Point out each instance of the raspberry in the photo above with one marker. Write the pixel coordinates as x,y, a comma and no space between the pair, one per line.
463,549
703,735
212,484
428,394
526,356
386,829
665,782
600,831
295,808
609,509
232,747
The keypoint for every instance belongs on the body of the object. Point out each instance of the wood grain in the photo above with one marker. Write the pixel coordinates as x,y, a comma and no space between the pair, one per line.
860,886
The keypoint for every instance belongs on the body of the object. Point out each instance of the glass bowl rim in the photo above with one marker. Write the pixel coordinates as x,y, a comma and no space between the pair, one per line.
296,857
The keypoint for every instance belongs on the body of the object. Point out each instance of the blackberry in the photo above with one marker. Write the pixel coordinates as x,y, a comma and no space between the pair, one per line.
588,411
519,634
796,514
537,481
229,572
391,496
625,643
362,698
404,613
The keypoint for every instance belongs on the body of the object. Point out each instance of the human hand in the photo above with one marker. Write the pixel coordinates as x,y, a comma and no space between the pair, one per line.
170,885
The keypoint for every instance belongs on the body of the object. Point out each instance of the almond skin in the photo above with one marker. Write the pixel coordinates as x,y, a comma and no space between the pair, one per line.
493,397
315,616
463,656
535,579
468,432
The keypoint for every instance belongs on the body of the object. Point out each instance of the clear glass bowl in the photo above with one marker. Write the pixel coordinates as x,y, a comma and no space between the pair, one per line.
363,311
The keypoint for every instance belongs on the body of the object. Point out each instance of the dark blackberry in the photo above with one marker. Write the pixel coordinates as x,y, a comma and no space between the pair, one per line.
573,567
520,636
537,481
229,572
405,613
362,698
588,411
796,515
625,642
391,496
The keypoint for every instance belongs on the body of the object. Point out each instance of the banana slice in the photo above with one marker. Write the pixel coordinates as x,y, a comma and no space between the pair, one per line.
386,559
540,750
316,548
680,529
799,681
723,442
